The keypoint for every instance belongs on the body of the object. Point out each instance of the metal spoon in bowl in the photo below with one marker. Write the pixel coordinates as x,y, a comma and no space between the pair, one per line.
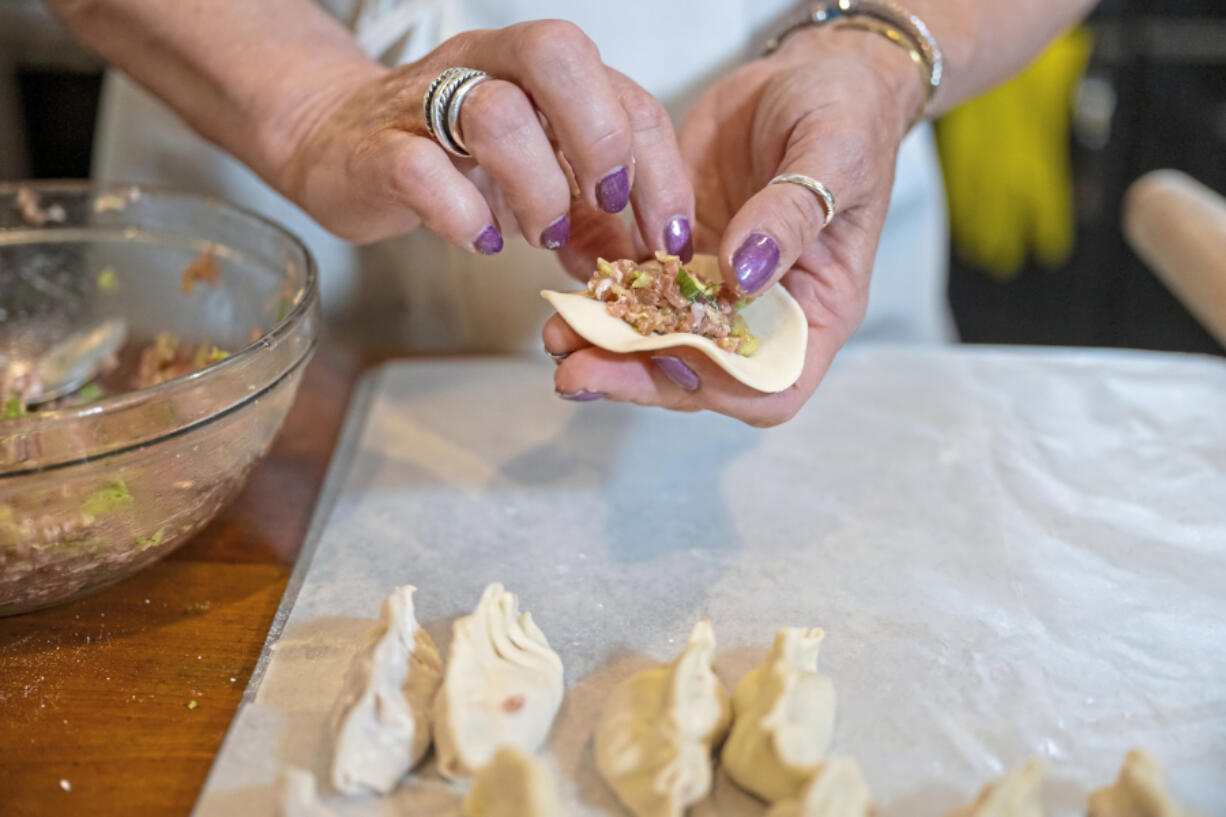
76,360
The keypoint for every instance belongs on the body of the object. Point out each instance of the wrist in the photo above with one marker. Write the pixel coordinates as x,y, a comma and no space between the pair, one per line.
901,78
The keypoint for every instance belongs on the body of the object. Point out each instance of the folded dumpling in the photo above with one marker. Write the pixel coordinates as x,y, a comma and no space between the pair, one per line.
783,718
1017,794
658,728
381,722
513,784
837,789
503,686
1139,791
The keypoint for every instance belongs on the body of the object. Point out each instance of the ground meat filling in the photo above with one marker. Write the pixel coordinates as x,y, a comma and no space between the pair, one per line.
661,297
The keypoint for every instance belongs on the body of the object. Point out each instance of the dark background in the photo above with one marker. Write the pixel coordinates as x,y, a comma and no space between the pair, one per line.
1164,62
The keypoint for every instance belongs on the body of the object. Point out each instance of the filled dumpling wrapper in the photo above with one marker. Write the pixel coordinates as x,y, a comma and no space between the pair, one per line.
381,721
1139,791
513,784
837,789
1017,794
767,352
299,796
503,686
783,718
657,731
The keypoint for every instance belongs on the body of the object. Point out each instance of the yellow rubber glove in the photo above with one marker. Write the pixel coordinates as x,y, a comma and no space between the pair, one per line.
1005,156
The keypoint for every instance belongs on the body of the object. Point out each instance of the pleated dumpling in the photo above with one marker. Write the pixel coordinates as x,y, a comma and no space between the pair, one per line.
1017,794
1139,791
783,719
503,686
381,721
837,789
513,784
658,728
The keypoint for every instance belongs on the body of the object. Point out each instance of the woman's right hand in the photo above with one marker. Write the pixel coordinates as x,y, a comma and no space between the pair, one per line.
363,165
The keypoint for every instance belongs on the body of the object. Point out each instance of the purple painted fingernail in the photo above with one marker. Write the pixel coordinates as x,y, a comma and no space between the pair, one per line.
675,370
582,396
755,261
489,242
556,234
613,191
677,239
558,358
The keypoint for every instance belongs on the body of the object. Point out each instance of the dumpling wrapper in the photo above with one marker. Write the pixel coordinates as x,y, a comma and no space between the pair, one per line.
503,686
783,718
775,318
655,736
513,784
1139,791
837,789
1016,794
381,721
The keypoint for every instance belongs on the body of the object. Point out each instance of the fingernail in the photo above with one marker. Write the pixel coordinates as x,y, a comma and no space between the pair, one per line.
558,358
675,370
582,396
613,191
754,261
677,239
556,234
489,242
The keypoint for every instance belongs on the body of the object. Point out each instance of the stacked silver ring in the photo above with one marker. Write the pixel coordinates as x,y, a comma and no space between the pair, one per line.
441,106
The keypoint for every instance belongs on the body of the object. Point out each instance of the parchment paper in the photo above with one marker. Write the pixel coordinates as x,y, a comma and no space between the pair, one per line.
1012,553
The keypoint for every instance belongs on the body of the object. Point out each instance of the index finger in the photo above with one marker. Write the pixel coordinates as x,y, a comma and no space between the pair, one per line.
560,68
663,195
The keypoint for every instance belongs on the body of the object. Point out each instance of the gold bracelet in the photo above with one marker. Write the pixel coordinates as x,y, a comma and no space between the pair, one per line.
891,21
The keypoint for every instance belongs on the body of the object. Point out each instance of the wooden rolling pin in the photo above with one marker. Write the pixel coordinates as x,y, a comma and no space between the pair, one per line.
1178,227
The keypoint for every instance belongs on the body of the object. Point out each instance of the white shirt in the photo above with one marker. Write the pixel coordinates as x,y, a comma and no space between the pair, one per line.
416,293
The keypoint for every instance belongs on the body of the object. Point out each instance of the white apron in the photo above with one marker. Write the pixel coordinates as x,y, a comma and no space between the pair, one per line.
417,294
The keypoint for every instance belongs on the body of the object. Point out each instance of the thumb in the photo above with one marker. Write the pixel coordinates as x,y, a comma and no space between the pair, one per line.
776,225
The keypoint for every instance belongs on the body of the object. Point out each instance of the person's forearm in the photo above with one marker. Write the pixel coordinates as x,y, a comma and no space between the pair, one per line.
237,71
987,41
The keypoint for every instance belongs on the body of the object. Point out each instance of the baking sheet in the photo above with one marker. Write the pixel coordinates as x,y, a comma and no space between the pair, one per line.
1013,554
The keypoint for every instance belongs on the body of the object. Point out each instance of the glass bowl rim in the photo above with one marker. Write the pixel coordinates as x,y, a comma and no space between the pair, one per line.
282,329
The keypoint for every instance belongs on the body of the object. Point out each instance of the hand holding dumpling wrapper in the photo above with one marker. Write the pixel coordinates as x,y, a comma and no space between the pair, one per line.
775,319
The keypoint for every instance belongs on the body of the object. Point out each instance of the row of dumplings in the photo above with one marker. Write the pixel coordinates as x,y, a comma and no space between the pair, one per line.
486,713
491,709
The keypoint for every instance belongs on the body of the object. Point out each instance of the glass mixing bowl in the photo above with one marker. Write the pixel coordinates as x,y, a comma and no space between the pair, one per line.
92,493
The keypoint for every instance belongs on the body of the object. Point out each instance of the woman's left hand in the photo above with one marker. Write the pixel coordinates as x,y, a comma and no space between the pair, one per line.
830,104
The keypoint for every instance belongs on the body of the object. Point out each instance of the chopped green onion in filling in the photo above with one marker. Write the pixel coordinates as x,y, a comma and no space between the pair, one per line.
661,297
108,280
89,393
111,497
14,408
693,287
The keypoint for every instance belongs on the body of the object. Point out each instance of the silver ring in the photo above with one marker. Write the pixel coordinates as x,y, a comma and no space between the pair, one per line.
427,99
813,185
453,108
439,101
440,106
